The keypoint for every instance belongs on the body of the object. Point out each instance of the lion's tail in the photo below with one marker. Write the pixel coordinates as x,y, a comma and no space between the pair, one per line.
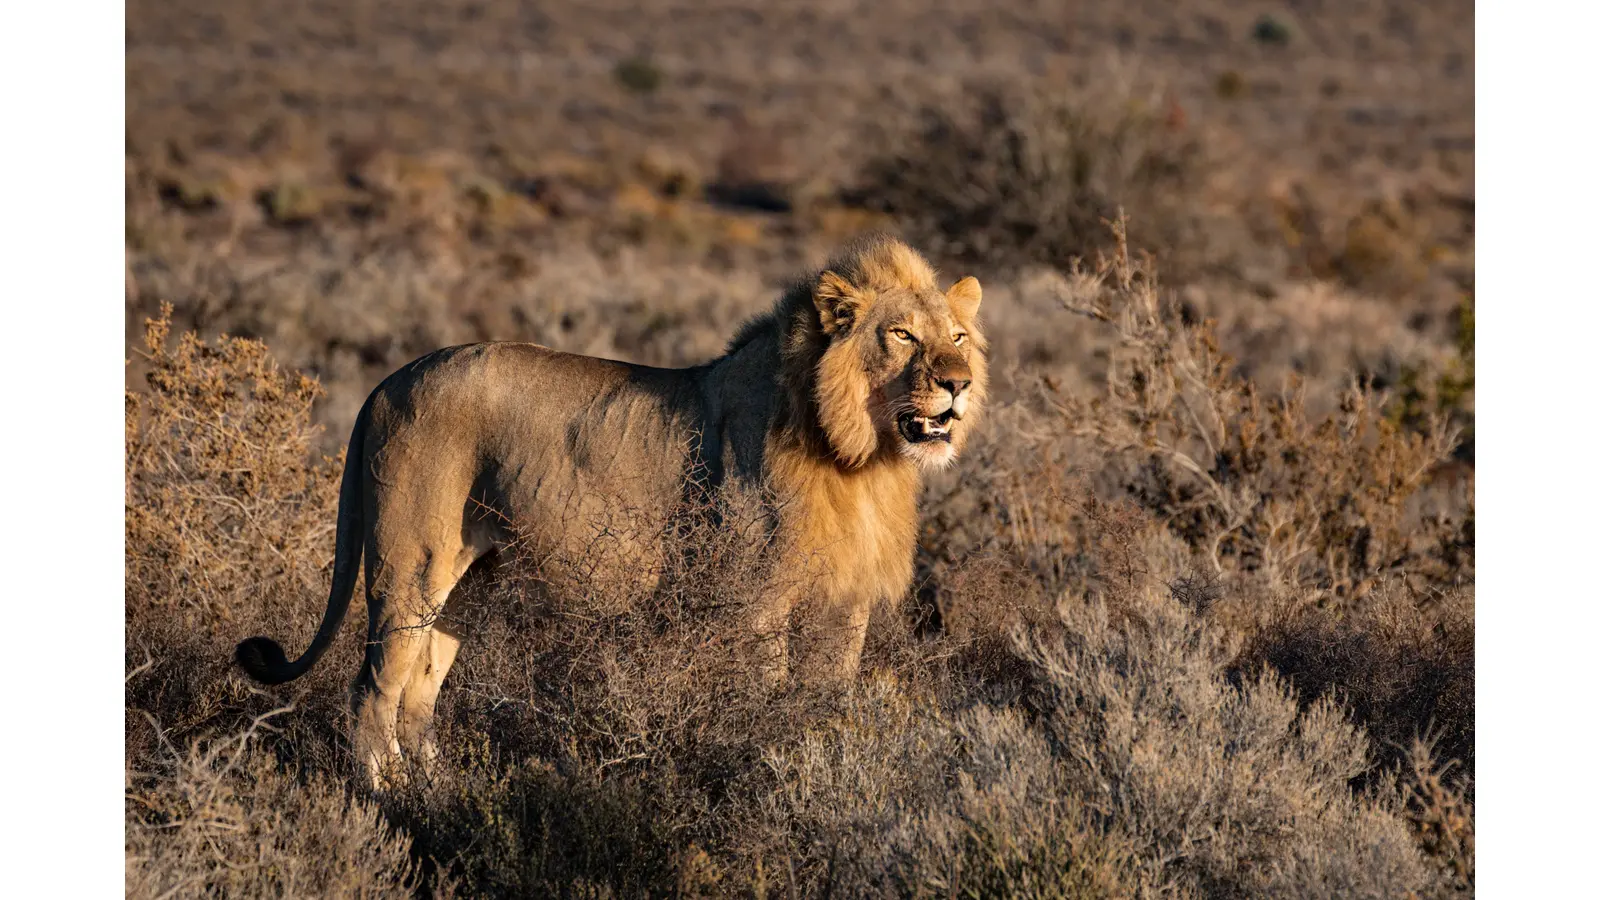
262,658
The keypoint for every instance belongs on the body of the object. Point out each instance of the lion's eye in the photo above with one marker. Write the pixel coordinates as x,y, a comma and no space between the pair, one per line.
957,339
900,334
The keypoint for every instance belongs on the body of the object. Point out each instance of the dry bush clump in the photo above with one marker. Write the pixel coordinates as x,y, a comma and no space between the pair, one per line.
1025,173
225,503
1439,809
1324,542
218,818
1233,788
1401,665
229,530
1252,480
1131,764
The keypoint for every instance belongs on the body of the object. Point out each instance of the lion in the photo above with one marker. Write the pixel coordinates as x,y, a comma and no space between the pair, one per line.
830,407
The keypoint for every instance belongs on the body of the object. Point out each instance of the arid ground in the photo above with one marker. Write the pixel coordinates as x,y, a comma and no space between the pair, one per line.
1193,615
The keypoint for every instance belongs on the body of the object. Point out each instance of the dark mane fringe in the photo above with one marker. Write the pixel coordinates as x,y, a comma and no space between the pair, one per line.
875,261
796,297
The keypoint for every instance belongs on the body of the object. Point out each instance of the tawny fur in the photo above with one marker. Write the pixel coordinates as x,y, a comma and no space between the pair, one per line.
825,409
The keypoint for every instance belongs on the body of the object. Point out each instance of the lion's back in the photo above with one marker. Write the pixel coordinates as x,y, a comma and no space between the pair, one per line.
532,429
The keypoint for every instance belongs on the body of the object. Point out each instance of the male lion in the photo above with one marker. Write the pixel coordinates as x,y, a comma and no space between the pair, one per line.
828,408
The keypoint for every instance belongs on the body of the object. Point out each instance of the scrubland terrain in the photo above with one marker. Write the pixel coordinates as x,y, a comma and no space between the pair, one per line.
1193,615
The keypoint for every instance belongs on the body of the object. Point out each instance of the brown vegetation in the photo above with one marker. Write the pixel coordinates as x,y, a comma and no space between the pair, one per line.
1193,614
1102,712
1016,174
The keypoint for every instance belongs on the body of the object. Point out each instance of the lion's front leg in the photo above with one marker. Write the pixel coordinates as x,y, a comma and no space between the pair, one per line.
831,635
769,647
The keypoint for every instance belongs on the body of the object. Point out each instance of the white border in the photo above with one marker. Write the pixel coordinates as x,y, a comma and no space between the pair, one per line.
61,67
1537,418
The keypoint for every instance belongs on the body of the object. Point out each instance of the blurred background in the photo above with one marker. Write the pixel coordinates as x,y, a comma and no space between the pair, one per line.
358,182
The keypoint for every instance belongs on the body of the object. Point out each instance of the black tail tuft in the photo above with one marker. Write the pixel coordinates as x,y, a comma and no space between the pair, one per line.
263,660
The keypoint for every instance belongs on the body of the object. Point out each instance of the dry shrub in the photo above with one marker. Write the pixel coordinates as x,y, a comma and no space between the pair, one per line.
224,501
1321,541
1026,173
229,528
1086,725
1402,666
1316,543
220,819
1439,808
1254,483
905,794
1133,764
1224,790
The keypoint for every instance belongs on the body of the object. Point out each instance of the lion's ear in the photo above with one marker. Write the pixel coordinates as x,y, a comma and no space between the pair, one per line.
964,297
839,303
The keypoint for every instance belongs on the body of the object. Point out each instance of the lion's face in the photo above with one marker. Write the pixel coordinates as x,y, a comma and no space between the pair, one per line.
921,357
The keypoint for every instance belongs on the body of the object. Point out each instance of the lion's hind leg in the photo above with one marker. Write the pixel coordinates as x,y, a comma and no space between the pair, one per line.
415,725
403,603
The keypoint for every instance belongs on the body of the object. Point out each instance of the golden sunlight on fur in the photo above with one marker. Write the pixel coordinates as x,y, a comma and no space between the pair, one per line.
825,411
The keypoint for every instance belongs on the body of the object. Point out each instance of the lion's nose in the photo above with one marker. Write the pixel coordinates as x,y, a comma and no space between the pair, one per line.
954,385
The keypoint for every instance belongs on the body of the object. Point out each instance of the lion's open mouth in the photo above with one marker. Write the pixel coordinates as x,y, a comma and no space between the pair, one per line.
921,429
